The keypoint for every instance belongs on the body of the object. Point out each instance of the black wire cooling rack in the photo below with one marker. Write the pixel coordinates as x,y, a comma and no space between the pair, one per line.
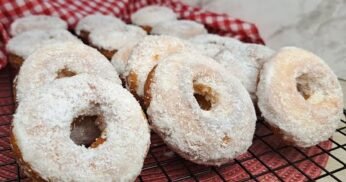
266,160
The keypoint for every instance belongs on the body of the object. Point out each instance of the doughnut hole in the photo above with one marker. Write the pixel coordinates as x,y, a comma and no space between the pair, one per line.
310,87
204,96
65,72
87,130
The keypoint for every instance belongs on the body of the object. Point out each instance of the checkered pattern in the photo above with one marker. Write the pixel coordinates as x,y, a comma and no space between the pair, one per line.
71,11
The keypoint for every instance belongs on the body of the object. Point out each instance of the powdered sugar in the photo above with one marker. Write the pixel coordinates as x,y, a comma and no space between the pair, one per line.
42,123
96,21
34,22
241,60
111,39
179,28
43,65
152,15
26,43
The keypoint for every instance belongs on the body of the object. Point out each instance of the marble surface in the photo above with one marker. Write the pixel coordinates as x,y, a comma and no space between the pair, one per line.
316,25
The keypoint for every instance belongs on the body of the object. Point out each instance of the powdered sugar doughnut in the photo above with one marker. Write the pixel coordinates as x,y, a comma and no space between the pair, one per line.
212,44
24,44
241,60
108,41
245,64
179,28
96,21
201,112
146,55
300,97
61,60
34,22
149,16
45,122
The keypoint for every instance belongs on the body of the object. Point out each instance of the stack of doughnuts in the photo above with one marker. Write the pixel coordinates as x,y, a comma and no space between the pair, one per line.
197,91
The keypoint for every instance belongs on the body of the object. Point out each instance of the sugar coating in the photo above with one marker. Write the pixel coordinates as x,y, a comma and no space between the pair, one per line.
211,137
304,121
121,58
34,22
27,42
43,65
148,52
152,15
179,28
96,21
111,39
259,53
244,61
212,44
42,124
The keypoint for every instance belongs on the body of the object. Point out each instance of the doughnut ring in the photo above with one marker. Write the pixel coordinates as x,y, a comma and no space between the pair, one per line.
92,22
60,60
149,16
108,41
212,44
243,61
200,112
300,97
24,44
35,22
145,55
42,135
179,28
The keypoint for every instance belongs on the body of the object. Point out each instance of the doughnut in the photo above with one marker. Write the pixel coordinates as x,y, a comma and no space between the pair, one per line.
179,28
109,41
34,22
44,125
120,59
200,111
245,64
211,44
259,53
145,55
149,16
300,97
96,21
61,60
24,44
243,61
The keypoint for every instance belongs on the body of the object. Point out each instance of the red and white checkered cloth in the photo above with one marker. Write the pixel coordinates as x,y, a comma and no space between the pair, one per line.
71,11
